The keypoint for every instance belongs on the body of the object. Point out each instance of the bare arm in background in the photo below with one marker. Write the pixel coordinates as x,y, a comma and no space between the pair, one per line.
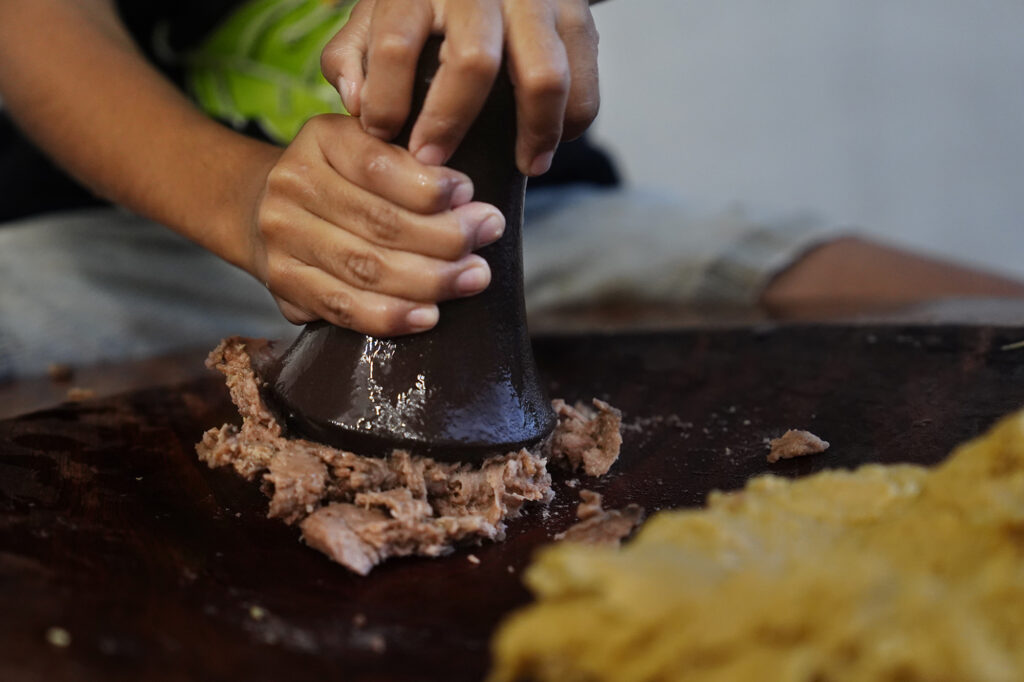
859,273
340,225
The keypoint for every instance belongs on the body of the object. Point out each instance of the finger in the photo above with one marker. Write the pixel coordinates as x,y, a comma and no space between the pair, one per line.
579,35
398,31
310,181
470,59
342,58
447,235
387,170
294,313
342,305
367,267
539,69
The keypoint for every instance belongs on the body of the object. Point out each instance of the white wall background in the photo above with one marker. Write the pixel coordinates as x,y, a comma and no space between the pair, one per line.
904,117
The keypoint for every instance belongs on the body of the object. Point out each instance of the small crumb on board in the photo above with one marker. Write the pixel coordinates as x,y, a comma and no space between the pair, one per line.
795,443
77,394
599,526
58,637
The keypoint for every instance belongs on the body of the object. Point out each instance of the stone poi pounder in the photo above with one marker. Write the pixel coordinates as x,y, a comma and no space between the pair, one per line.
467,388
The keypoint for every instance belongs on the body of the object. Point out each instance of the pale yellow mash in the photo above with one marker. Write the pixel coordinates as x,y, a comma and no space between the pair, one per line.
886,573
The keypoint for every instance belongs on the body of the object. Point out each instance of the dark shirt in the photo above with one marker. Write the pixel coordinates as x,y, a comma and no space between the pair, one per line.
30,184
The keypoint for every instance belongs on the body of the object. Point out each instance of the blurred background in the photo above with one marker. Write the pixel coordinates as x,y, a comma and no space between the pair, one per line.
902,118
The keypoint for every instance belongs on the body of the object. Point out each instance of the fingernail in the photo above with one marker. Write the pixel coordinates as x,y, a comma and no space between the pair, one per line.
379,133
541,163
345,90
430,155
423,318
462,194
490,230
472,280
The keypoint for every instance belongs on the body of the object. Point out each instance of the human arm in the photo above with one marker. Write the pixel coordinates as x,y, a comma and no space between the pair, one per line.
551,52
340,225
859,273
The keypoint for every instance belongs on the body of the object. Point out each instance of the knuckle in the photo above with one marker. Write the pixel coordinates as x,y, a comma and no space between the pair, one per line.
282,178
339,308
272,219
383,222
322,127
546,81
291,182
394,46
313,125
434,191
364,268
329,63
475,59
378,165
333,55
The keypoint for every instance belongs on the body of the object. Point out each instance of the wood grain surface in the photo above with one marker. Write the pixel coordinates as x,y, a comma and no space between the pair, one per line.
161,569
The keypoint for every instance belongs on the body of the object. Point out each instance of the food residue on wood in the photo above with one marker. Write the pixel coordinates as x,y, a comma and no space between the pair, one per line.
598,526
77,394
359,510
795,443
58,637
587,438
883,573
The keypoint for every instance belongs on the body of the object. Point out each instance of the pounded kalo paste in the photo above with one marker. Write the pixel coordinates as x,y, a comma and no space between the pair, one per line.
795,443
884,573
359,510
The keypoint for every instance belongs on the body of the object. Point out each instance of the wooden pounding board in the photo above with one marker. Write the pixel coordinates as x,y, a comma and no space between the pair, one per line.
111,528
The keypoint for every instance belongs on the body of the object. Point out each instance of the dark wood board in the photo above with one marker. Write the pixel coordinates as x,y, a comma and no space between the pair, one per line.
111,529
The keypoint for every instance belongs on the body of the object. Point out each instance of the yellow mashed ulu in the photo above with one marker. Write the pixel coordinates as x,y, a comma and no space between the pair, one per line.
884,573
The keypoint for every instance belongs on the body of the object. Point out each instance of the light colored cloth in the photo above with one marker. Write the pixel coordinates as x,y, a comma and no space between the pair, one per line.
103,285
584,244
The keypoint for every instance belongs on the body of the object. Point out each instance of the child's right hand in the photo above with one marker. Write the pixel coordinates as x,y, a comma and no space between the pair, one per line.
355,231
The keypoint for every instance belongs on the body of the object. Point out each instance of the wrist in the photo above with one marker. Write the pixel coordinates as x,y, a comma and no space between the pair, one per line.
231,228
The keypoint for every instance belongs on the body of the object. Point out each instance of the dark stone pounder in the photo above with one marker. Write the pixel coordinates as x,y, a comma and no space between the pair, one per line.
462,391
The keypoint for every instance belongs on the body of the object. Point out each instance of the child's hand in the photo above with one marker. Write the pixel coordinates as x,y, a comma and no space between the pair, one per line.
355,231
551,46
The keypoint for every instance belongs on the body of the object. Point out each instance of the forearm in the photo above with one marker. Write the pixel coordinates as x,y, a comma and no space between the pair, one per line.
855,271
74,81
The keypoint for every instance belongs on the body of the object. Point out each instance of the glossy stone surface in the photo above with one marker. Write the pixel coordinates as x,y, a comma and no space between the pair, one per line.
463,390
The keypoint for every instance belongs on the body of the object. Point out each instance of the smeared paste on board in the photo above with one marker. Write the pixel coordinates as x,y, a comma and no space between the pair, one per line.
894,572
360,511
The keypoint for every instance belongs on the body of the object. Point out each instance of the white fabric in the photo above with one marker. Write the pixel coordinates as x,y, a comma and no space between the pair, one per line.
103,285
585,245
